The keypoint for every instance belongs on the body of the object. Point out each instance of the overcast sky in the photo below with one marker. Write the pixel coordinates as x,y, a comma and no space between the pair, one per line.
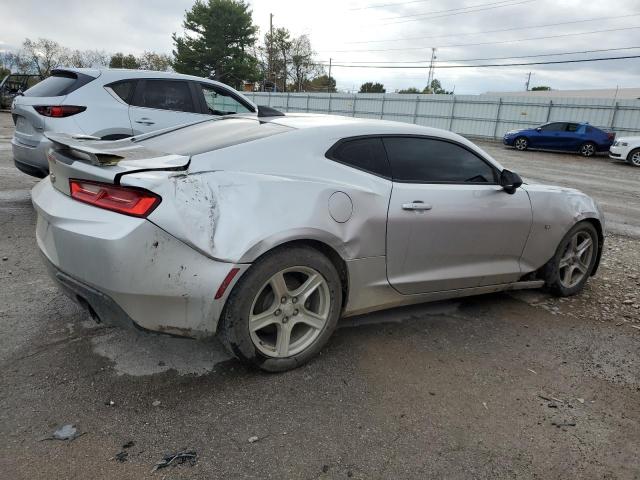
350,30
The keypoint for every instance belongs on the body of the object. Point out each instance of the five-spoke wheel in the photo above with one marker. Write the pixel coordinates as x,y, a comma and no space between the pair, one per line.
521,143
283,309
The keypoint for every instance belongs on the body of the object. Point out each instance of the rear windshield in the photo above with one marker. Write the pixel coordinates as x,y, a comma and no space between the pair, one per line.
211,135
58,84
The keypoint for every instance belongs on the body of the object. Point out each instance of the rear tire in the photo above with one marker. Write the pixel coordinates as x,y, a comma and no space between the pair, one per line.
270,321
521,143
571,266
588,149
634,157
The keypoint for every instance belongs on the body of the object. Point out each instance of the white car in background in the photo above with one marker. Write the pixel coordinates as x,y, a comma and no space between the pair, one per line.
626,148
111,104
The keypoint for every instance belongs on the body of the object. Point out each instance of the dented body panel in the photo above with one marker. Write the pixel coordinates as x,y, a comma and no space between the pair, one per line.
225,208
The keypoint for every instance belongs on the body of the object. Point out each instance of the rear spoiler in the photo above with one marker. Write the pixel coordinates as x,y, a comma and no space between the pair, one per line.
124,153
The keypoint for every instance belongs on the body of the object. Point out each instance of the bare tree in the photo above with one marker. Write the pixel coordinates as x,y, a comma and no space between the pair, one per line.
303,67
155,61
43,55
86,58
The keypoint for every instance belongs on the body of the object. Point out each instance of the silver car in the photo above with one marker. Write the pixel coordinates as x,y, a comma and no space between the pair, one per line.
112,104
267,231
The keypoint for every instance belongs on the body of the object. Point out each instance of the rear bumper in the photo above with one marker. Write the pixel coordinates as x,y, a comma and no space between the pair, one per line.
127,270
31,160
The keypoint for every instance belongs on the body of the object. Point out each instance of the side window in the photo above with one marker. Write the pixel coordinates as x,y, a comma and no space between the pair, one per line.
554,127
572,127
124,89
166,95
426,160
364,154
220,102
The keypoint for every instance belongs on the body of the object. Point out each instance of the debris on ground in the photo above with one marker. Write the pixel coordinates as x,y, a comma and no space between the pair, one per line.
178,458
253,439
121,456
66,432
156,403
129,444
564,424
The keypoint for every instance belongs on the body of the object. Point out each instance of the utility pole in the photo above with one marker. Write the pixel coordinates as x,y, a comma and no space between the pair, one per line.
526,85
329,79
432,68
269,76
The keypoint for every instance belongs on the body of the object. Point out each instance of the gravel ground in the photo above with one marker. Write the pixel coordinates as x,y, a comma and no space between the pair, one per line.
518,385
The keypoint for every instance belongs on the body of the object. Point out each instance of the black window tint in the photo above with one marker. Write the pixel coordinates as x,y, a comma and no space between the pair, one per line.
572,127
124,89
364,154
166,95
426,160
58,84
554,127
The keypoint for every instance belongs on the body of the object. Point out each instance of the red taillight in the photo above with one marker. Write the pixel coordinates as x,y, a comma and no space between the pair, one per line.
58,111
132,201
611,135
226,282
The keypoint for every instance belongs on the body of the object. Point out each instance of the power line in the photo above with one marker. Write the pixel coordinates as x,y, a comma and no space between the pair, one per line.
381,5
489,43
460,13
491,65
426,14
493,58
495,31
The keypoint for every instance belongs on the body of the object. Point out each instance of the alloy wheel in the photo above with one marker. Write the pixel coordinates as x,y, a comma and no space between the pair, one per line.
521,144
588,149
635,158
289,312
575,262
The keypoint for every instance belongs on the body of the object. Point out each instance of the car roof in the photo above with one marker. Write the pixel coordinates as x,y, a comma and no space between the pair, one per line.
350,126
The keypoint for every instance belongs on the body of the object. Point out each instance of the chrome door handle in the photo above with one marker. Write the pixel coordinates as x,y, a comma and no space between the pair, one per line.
416,206
145,121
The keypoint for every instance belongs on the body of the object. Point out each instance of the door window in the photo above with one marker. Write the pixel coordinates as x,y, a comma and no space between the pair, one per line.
554,127
221,102
572,127
166,95
362,153
427,160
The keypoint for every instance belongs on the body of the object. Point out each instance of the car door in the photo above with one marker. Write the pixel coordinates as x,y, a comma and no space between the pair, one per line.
550,135
162,103
571,137
450,225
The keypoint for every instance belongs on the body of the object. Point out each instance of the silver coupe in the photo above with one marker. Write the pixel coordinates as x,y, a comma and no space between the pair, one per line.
267,230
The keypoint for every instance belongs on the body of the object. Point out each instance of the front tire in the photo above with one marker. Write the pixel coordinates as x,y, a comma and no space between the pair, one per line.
588,149
521,143
571,266
634,157
283,309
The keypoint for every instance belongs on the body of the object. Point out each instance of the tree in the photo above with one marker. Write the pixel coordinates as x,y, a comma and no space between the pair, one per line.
409,90
42,56
322,83
120,60
436,87
302,65
154,61
86,58
541,88
278,49
370,87
217,41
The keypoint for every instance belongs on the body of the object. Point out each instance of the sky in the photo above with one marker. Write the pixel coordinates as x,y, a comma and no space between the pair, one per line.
377,31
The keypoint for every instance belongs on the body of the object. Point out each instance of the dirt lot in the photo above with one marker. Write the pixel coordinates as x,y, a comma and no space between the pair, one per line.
501,386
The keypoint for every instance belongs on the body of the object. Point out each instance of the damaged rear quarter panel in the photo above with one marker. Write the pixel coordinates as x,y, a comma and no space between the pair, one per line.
237,203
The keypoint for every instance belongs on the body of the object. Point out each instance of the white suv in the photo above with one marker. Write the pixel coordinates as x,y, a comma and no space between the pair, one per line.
626,148
112,104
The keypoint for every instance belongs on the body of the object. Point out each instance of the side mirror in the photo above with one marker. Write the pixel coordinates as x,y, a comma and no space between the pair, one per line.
510,181
538,129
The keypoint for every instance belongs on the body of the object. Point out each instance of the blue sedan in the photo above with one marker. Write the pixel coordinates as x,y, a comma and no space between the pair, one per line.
571,137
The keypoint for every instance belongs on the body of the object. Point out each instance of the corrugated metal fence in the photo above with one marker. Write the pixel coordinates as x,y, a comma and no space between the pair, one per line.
473,115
